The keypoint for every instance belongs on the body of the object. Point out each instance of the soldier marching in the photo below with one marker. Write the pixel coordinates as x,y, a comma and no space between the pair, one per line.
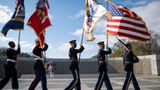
10,66
129,58
103,67
74,65
40,73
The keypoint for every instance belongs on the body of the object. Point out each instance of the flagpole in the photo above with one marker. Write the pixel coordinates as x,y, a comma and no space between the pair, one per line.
19,37
81,43
107,44
107,48
45,59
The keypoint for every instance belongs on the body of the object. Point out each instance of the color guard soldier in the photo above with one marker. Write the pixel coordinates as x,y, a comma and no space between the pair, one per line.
74,66
10,67
103,67
128,60
40,73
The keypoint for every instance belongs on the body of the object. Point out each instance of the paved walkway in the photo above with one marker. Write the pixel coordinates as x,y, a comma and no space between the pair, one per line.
88,82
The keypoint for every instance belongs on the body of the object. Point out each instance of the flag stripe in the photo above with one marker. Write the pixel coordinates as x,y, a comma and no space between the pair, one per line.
128,22
134,19
127,28
129,32
126,25
128,35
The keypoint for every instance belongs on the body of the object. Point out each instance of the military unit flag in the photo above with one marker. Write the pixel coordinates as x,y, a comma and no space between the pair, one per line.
39,20
94,12
17,20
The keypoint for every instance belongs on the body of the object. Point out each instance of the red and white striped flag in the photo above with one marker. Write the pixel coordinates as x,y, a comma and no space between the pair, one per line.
127,23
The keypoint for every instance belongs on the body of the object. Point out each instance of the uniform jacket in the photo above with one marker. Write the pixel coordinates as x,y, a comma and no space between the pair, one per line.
128,60
101,58
12,53
73,57
38,51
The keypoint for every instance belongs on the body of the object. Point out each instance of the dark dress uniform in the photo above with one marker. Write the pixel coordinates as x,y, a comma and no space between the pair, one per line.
40,73
74,67
128,59
103,70
10,69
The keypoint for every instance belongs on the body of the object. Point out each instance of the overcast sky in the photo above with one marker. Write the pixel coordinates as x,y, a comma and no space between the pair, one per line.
67,21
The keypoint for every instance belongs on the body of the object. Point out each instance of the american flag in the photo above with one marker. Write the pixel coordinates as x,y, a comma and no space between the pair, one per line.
127,23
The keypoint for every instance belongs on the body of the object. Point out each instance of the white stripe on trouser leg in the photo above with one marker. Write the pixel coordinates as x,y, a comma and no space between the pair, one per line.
100,82
129,80
75,81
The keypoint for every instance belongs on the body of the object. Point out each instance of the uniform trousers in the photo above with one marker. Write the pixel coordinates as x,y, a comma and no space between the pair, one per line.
76,83
130,76
103,77
10,72
40,75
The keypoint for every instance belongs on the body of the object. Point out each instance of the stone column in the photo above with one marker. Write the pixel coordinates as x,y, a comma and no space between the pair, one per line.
154,66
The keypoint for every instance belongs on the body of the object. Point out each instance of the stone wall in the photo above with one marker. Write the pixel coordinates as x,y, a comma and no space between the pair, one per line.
147,65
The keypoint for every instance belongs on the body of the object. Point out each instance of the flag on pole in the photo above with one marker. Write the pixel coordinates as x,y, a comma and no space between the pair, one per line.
42,4
39,21
94,12
41,38
127,23
17,20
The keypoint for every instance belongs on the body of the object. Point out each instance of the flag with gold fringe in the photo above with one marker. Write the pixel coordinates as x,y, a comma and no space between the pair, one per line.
94,11
39,20
17,20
